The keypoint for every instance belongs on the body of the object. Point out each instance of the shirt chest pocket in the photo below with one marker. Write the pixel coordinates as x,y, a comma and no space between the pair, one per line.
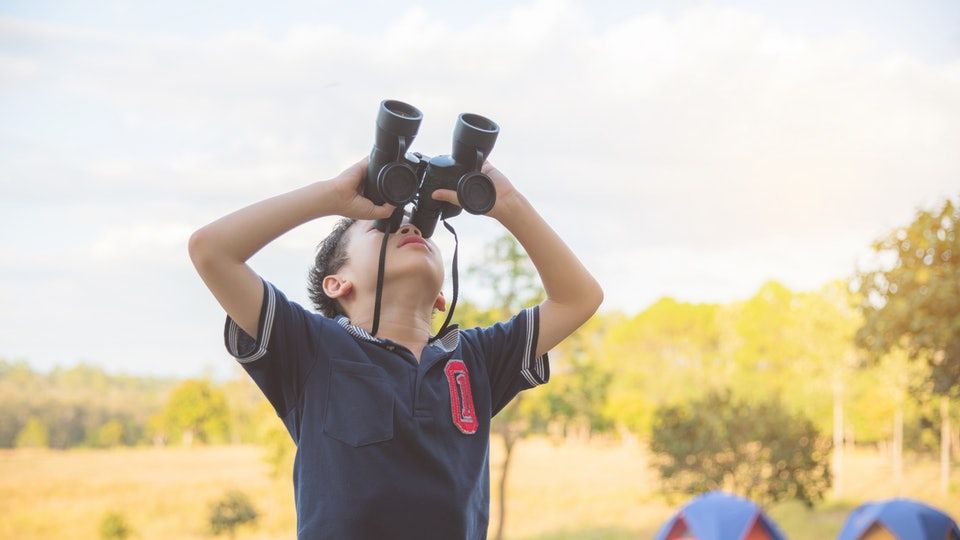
359,408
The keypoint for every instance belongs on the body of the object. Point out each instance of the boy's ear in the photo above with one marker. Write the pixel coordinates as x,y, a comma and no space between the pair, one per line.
335,287
441,303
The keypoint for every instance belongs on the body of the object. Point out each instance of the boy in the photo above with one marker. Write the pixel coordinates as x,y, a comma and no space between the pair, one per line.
392,430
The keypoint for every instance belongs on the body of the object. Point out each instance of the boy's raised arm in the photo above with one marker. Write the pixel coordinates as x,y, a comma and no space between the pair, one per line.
219,250
573,295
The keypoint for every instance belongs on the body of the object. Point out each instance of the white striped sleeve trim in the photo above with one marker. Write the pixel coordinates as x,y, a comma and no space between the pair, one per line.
535,370
241,345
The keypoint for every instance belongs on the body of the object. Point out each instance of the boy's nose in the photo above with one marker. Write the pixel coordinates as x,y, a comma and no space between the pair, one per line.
410,228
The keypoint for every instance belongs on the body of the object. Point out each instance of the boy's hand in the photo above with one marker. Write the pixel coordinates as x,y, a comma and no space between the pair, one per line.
573,295
507,195
347,200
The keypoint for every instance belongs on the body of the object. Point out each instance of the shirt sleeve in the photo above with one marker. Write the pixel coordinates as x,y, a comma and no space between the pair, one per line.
283,353
508,350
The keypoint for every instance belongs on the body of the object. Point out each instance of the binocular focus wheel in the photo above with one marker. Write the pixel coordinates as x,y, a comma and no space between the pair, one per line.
476,193
397,183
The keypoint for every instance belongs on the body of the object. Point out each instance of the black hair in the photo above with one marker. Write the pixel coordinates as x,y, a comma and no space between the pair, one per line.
330,258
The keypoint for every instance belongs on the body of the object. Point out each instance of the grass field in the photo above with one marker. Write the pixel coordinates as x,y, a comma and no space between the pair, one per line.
568,491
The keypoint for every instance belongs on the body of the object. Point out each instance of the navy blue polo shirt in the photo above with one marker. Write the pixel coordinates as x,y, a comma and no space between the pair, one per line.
387,447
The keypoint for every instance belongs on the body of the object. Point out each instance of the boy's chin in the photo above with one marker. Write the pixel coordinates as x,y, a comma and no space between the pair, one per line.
423,272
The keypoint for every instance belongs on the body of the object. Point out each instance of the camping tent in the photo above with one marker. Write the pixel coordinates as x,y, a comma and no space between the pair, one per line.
719,516
898,519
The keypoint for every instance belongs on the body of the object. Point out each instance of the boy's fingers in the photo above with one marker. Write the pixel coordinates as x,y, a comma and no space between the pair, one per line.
384,210
446,195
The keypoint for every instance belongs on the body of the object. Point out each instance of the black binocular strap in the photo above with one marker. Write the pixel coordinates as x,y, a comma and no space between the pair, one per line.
453,305
382,265
380,268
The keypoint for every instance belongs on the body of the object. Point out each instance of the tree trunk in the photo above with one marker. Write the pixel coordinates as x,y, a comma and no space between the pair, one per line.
944,444
508,442
898,447
837,439
955,445
627,437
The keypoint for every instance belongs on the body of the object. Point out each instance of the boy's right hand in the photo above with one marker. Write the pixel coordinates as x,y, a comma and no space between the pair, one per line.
346,189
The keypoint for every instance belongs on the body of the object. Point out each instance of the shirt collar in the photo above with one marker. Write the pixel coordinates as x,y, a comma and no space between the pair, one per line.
447,342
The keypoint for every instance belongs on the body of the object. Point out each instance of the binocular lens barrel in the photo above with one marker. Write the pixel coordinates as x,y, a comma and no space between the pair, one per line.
389,177
473,132
399,118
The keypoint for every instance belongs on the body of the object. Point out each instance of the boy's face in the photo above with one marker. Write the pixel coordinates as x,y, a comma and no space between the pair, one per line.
410,258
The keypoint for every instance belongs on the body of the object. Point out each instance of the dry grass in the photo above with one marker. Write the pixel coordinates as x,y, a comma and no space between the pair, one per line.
571,490
163,492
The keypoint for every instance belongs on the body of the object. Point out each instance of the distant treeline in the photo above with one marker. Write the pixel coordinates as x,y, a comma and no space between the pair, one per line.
84,406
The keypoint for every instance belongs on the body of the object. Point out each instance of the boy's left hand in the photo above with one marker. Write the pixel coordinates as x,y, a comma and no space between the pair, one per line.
507,195
573,295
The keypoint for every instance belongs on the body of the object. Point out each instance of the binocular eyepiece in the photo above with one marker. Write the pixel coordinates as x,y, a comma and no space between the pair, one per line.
397,176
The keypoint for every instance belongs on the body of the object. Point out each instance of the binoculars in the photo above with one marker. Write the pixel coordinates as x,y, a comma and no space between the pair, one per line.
397,176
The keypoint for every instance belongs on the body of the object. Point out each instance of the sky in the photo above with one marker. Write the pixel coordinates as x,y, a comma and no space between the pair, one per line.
684,149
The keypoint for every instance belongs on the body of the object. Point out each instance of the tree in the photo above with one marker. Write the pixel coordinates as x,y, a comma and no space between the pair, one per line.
668,353
279,450
243,400
575,401
33,435
756,449
196,410
897,378
114,526
768,352
823,327
914,303
157,429
110,434
76,402
231,511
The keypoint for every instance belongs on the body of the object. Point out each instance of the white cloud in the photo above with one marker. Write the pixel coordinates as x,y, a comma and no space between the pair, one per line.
144,243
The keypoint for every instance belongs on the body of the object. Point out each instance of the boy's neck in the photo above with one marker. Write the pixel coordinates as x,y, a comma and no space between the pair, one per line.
402,322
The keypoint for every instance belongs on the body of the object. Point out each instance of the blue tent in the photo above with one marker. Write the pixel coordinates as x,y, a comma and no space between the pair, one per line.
905,518
720,516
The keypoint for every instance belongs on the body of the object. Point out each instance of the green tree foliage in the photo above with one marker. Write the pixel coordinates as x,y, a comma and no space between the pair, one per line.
880,388
114,526
914,302
279,450
244,402
196,410
33,435
507,274
667,353
231,511
756,449
573,400
110,434
767,353
75,403
84,406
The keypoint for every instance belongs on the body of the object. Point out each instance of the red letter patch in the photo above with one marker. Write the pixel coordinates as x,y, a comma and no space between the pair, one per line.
461,398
